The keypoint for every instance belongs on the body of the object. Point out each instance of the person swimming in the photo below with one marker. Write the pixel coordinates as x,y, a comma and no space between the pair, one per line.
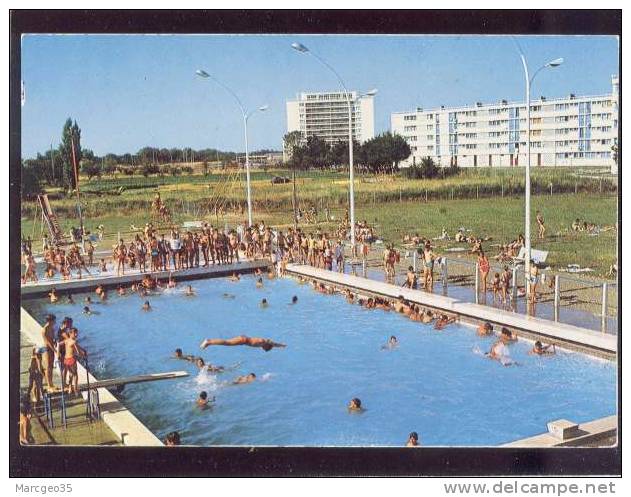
412,440
485,329
392,343
540,349
234,277
70,299
355,405
264,304
242,380
188,357
121,290
203,401
53,296
146,306
259,283
228,296
87,300
444,320
189,291
294,300
265,343
507,336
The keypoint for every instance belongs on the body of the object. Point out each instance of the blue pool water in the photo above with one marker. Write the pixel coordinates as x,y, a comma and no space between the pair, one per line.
434,383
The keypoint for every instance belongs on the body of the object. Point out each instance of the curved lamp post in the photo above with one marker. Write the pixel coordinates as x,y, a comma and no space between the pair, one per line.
529,80
246,115
299,47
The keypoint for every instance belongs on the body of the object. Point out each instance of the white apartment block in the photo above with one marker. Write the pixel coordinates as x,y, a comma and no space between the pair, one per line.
325,115
571,131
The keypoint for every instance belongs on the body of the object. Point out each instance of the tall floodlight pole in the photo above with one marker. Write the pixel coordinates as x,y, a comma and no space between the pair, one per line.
529,80
303,49
246,116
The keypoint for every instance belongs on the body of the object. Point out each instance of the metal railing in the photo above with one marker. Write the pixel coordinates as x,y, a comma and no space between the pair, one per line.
585,302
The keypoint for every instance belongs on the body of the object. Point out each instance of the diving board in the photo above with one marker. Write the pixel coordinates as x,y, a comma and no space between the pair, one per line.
128,380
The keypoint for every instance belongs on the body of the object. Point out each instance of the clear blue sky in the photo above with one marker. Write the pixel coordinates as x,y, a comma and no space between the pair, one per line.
127,92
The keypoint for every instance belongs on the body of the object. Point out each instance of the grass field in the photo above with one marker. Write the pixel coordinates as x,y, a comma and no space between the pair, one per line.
487,201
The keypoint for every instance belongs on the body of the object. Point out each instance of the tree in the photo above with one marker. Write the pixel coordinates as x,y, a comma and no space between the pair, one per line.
291,143
428,168
90,168
316,152
70,136
30,180
383,153
205,167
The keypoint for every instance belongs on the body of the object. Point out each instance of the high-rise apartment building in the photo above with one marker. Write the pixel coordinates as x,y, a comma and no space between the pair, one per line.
325,115
570,131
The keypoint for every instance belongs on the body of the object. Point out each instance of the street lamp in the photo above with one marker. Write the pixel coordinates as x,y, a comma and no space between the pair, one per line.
529,80
246,115
299,47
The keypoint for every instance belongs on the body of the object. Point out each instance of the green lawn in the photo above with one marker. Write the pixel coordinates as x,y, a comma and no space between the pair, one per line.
499,218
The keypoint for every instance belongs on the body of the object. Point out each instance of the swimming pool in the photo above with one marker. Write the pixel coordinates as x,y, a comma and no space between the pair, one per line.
433,383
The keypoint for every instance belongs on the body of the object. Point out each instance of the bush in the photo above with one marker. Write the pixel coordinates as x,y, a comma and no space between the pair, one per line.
427,170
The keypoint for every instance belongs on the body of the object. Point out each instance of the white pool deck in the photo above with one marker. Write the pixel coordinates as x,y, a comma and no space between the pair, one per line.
583,339
589,433
110,278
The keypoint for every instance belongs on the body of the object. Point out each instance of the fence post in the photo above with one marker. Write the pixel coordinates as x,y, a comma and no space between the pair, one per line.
452,194
502,188
364,266
600,187
477,283
514,289
445,274
575,187
477,191
603,321
550,189
414,254
557,297
425,195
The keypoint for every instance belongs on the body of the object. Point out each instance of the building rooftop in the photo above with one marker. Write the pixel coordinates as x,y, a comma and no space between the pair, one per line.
506,103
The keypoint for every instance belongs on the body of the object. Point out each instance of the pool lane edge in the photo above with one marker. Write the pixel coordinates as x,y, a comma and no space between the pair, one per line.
572,337
41,288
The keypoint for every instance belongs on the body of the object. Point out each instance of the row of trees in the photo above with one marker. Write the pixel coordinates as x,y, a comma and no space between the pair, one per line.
55,167
381,154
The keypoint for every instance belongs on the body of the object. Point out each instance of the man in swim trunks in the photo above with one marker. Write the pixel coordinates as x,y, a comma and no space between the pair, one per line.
72,349
265,343
428,267
541,225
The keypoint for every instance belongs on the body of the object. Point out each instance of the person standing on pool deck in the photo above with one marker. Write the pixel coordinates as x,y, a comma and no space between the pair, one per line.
265,343
411,281
485,267
428,268
48,336
533,280
71,350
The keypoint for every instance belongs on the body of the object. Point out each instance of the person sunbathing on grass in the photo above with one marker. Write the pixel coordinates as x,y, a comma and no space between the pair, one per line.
265,343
